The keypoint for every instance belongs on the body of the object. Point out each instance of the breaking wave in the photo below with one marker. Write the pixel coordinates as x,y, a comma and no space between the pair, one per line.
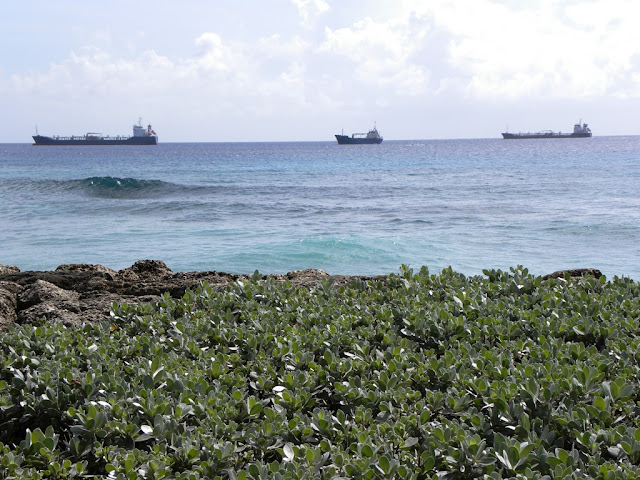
115,187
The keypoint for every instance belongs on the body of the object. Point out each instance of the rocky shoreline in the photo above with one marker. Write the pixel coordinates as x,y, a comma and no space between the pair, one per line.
77,293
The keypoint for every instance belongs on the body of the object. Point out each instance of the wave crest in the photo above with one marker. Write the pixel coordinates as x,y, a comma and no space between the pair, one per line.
115,187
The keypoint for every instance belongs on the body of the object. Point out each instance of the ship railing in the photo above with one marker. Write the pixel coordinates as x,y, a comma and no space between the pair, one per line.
90,136
540,133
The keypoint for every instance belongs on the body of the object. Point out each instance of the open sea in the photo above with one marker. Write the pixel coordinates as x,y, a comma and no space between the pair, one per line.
353,210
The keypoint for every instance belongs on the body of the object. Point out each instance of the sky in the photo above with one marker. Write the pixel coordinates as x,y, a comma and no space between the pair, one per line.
304,70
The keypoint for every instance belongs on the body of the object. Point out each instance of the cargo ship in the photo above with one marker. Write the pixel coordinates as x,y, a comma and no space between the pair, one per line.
372,136
141,136
579,131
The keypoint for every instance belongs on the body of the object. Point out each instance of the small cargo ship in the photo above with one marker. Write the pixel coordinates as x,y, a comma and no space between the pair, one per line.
141,136
579,131
372,136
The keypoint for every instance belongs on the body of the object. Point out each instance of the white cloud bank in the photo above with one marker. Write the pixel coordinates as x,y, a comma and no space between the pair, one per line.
423,54
546,48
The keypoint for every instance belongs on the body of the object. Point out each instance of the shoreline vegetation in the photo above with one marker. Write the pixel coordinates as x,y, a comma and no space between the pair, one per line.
146,373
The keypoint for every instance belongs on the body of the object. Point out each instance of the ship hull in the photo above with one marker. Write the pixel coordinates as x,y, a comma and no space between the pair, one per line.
347,140
43,140
521,136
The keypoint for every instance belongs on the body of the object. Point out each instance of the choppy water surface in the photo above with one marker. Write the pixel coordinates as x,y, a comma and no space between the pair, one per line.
276,207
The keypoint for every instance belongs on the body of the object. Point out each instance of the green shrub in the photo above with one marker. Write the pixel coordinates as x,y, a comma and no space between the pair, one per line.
414,375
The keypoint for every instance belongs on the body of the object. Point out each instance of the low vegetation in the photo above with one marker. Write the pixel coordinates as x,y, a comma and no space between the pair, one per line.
410,376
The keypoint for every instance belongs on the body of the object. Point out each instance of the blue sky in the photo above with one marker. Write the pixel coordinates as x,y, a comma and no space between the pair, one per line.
295,70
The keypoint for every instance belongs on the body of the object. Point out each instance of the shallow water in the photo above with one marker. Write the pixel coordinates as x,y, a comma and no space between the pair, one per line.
276,207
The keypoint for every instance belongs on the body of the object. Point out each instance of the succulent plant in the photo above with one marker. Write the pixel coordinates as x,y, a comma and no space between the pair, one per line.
412,375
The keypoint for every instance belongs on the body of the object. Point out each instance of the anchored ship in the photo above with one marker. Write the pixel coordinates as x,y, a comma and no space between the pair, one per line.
372,136
579,131
141,136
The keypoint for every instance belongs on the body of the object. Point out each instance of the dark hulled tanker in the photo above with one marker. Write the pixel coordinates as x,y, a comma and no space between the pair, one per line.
372,136
141,136
579,131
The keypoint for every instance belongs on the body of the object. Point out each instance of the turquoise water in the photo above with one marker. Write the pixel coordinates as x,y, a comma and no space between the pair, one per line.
276,207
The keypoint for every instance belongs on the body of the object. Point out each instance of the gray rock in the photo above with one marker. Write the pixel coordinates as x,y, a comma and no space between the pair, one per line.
42,291
43,299
8,269
575,273
8,303
75,293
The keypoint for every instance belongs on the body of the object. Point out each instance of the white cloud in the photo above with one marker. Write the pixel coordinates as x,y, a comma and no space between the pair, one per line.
367,39
275,46
310,8
477,48
381,52
547,48
94,69
213,54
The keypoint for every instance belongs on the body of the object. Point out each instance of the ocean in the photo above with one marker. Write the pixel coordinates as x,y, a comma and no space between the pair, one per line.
352,210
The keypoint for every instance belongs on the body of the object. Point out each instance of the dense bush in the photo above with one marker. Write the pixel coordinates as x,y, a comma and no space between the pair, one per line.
410,376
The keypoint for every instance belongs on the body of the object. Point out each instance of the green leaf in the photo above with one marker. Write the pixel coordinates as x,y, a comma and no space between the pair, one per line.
384,464
289,454
410,442
147,382
254,470
309,455
425,416
192,453
366,450
600,403
562,455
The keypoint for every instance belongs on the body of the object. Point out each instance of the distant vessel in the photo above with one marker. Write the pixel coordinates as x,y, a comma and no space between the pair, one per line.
141,136
372,136
579,131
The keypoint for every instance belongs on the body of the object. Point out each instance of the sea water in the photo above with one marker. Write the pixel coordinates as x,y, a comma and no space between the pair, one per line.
365,209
